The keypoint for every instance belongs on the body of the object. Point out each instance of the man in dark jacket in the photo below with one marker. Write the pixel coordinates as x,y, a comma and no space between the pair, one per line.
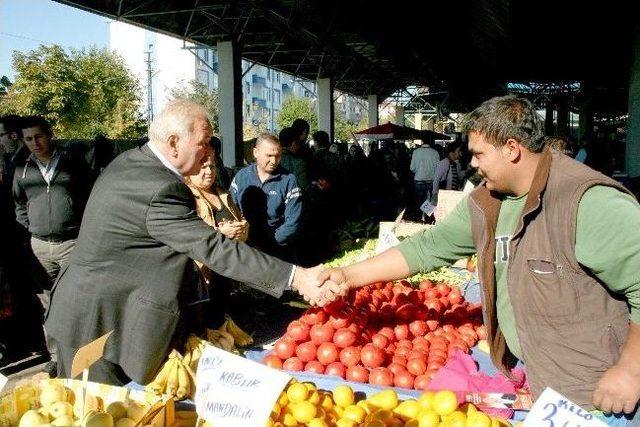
132,265
50,191
269,197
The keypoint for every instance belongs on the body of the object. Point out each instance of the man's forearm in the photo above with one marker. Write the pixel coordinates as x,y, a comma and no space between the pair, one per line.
389,265
630,356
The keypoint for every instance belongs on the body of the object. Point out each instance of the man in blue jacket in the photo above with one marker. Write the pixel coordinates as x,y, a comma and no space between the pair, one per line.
269,197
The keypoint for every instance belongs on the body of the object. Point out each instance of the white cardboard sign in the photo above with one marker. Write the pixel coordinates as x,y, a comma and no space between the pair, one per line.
234,391
386,241
447,202
3,382
554,410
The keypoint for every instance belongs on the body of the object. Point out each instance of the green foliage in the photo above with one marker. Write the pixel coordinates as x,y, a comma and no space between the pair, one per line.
199,92
5,84
344,130
82,92
297,108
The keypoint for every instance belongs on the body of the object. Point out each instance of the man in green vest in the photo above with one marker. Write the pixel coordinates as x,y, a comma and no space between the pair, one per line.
558,249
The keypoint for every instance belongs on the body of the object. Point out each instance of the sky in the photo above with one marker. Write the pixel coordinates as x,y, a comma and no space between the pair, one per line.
26,24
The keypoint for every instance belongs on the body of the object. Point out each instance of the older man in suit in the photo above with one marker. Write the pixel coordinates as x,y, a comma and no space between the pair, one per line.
132,262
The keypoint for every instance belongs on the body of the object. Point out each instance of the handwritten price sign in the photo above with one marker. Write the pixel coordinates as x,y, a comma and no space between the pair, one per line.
234,391
554,410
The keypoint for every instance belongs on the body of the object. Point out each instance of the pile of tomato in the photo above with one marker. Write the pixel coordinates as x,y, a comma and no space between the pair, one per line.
386,334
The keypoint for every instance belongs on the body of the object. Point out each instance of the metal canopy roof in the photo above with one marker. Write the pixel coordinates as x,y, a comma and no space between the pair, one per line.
471,47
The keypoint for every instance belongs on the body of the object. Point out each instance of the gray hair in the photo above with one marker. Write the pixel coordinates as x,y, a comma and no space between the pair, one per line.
176,118
505,117
267,137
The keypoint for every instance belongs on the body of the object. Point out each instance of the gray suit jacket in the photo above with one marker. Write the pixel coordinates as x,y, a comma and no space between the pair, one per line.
133,261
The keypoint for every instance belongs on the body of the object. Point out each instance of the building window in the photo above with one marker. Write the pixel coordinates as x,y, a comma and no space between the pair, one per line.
268,74
203,77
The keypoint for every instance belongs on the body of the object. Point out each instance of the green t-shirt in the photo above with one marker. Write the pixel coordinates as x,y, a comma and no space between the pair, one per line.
607,243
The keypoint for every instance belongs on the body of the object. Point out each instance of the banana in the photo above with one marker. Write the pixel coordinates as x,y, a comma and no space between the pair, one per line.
221,339
172,381
157,386
240,337
184,382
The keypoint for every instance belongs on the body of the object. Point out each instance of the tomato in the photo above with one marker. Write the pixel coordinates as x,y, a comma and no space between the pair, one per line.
405,343
455,297
482,332
422,346
400,360
403,380
387,332
350,356
434,366
344,337
380,341
327,353
298,330
425,285
336,368
469,340
444,301
421,382
381,376
431,294
306,351
293,364
431,373
372,356
314,366
401,332
272,361
418,328
358,374
395,368
416,298
433,325
321,333
417,366
314,316
437,353
354,328
284,349
338,322
416,354
387,312
402,351
390,349
444,289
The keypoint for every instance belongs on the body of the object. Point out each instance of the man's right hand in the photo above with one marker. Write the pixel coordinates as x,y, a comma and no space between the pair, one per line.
306,281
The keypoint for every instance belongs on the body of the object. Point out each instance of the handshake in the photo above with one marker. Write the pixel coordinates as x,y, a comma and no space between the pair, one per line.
319,285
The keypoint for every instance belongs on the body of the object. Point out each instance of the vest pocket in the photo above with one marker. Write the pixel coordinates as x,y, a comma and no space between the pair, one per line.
551,295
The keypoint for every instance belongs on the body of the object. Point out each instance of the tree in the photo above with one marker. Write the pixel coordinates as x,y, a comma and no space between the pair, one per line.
344,129
297,108
199,92
83,93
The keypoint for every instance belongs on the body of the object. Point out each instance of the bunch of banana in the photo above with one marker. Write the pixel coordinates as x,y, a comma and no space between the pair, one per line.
175,378
240,337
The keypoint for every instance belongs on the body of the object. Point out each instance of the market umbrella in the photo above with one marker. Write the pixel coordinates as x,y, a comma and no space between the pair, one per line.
393,131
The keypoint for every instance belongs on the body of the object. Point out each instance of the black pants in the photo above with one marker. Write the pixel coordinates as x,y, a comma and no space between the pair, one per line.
102,371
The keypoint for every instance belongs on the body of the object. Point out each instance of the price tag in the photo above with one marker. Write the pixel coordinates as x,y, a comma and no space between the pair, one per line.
554,410
427,208
234,391
3,382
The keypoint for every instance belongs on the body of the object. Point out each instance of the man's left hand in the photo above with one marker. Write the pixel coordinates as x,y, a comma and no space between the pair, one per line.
618,391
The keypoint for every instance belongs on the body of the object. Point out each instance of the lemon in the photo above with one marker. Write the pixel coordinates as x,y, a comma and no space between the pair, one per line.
289,421
343,395
382,415
345,422
407,410
386,399
478,419
354,413
310,386
428,418
297,392
456,419
314,397
426,400
326,402
412,423
374,423
445,402
317,422
304,412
